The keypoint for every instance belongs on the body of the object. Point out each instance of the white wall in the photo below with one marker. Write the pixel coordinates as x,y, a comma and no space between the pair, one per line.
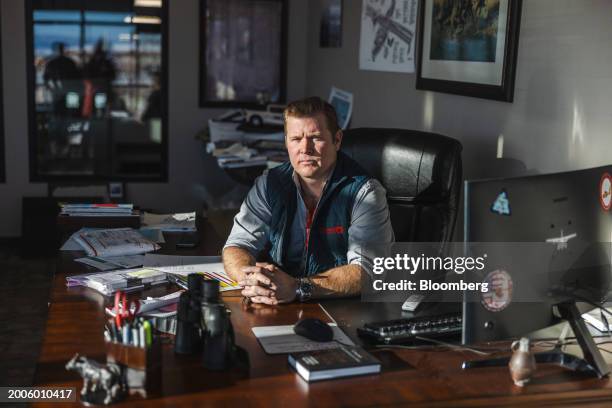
559,120
562,110
193,177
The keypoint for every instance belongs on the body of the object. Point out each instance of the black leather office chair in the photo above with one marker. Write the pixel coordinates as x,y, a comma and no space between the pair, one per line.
422,174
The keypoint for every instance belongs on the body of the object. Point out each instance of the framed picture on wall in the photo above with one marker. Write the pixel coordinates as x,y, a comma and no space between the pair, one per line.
242,52
330,30
469,47
2,148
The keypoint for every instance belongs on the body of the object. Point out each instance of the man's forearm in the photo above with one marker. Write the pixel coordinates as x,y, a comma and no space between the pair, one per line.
337,282
234,259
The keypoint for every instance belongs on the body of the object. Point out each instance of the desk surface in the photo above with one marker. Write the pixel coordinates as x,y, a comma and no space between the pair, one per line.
429,376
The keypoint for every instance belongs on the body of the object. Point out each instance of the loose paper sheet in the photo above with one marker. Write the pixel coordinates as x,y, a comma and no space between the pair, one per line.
282,339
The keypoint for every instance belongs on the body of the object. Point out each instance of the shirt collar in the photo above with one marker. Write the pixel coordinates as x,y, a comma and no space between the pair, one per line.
296,178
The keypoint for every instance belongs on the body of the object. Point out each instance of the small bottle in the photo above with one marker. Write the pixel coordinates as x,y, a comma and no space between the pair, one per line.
522,364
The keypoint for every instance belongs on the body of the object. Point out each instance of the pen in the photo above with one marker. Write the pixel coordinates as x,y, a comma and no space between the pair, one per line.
115,335
135,335
177,281
126,334
142,336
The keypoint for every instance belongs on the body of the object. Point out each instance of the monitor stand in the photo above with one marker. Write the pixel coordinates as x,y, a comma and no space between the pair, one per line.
593,362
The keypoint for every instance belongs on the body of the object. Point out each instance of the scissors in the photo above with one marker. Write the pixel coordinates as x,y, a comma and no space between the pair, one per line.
124,310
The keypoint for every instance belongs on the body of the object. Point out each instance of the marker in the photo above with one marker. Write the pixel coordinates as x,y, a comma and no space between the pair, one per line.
135,336
115,333
142,336
148,336
126,334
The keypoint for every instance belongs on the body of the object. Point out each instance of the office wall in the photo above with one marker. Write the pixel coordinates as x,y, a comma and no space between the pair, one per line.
193,176
560,118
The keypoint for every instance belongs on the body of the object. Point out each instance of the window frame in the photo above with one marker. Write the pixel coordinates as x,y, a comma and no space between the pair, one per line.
35,176
203,102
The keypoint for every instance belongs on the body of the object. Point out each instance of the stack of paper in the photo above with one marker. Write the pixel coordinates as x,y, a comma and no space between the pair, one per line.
97,210
209,266
114,242
108,263
163,306
127,280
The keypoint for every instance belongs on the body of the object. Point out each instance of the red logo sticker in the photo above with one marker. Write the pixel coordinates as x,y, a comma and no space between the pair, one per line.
605,191
334,230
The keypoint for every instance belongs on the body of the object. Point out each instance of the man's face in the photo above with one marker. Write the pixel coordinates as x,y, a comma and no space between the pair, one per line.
311,146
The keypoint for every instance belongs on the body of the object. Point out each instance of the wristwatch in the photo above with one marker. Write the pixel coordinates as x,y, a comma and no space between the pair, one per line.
303,292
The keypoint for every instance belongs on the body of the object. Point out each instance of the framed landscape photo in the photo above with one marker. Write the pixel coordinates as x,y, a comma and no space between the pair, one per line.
469,47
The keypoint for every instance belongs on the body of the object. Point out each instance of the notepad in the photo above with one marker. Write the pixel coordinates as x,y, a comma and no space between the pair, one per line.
282,340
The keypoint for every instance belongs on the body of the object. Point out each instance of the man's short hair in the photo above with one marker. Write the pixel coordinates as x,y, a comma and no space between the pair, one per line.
309,107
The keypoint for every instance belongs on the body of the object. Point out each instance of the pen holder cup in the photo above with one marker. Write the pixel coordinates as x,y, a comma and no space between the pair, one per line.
143,366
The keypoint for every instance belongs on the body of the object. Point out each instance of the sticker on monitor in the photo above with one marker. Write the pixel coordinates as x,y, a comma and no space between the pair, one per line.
501,205
499,293
605,191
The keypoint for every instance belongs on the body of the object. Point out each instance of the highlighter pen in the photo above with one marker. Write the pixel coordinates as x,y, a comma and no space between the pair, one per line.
148,336
142,341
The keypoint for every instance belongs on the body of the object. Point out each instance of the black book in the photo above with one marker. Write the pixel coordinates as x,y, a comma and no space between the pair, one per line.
334,363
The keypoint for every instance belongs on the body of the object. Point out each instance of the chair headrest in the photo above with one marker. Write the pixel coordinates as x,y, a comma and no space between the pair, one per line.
413,166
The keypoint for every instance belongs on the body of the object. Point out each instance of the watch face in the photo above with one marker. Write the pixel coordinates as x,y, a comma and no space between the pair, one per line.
304,289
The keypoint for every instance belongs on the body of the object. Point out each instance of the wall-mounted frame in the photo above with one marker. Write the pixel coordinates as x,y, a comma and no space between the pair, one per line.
2,141
97,90
469,48
330,26
243,52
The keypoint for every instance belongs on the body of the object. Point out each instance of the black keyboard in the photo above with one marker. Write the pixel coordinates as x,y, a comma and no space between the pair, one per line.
408,330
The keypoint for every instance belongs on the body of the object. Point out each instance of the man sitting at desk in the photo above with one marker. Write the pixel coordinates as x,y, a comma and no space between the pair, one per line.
310,217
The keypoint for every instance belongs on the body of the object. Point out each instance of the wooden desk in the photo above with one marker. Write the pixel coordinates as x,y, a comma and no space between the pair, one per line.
430,376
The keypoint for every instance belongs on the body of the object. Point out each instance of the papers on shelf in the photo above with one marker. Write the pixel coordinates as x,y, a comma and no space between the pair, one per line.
282,339
108,263
71,244
233,162
228,128
97,209
114,242
126,280
170,222
209,266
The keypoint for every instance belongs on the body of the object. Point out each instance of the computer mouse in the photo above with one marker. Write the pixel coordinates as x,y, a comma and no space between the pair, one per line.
314,329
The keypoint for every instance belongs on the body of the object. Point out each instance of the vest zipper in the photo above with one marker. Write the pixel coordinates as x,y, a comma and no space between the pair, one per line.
304,263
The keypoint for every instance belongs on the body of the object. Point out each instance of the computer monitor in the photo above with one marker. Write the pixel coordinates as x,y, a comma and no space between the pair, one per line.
571,211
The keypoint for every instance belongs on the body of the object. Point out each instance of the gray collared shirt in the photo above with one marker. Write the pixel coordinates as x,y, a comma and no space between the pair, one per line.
370,223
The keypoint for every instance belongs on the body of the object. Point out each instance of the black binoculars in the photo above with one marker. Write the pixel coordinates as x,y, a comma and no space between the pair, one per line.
203,324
